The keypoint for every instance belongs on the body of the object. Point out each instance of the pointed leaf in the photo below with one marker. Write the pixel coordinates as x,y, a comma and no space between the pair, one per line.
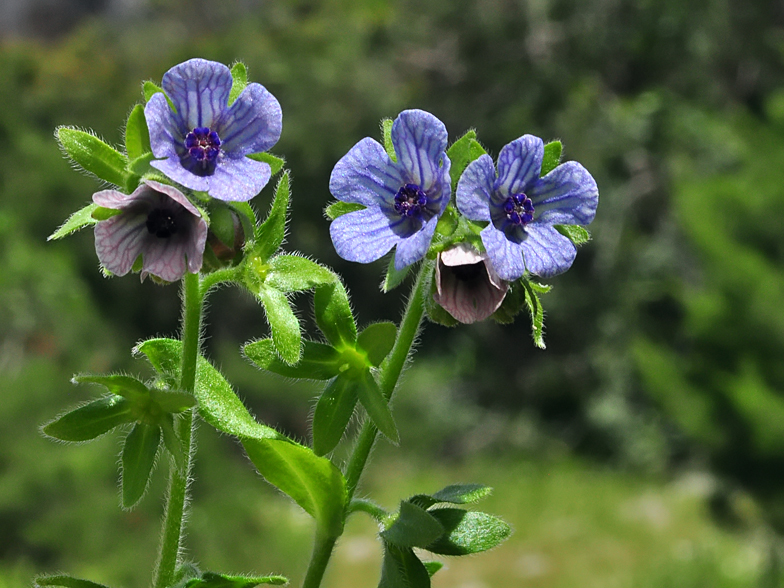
313,482
91,420
333,413
401,568
462,152
125,386
552,157
318,361
239,76
386,130
575,233
394,277
78,220
292,273
283,324
163,355
377,407
337,209
137,137
138,459
93,155
173,443
270,234
432,567
454,494
333,315
141,165
414,527
172,401
150,88
467,532
63,581
276,163
537,315
100,213
213,580
513,304
377,341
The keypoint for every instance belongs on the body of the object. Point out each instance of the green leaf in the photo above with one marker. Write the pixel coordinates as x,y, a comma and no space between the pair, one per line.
270,234
90,420
78,220
401,568
575,233
462,152
413,527
394,277
246,215
141,165
376,341
552,157
63,581
292,273
467,532
283,324
239,77
138,459
339,208
453,494
100,213
163,355
377,406
126,386
312,481
318,361
333,413
432,567
137,136
222,221
448,222
386,131
93,155
513,304
172,402
333,315
173,443
213,580
276,163
537,315
150,88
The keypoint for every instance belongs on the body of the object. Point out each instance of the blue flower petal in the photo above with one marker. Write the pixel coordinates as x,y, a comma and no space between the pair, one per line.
546,251
568,195
506,256
239,179
420,141
166,134
363,236
519,164
475,187
413,248
365,175
199,90
252,124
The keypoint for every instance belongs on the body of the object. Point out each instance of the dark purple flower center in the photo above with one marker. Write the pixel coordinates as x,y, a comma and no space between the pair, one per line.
467,272
519,209
161,223
203,145
410,201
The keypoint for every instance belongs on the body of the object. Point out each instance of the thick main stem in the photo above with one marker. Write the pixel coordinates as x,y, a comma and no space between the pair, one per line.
171,537
390,373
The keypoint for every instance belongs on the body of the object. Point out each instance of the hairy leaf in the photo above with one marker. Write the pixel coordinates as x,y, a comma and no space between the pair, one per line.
91,420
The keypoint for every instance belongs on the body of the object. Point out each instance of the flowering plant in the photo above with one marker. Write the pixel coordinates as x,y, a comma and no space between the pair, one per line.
193,155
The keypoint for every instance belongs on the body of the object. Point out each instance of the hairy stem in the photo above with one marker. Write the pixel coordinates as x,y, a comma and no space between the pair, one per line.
171,537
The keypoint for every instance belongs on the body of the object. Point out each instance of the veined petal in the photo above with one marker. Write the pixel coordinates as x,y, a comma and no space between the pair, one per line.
363,236
164,261
166,132
119,240
252,124
420,142
174,194
546,251
568,195
199,90
172,167
519,164
413,248
238,179
505,255
365,175
475,187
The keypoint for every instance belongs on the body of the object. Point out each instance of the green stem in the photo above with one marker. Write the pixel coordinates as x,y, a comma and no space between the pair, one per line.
171,537
322,551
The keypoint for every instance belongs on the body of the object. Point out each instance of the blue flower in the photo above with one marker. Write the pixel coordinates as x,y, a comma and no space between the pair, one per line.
403,199
203,142
523,207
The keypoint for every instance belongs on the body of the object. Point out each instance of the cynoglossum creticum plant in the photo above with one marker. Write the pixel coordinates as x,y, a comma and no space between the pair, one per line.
177,210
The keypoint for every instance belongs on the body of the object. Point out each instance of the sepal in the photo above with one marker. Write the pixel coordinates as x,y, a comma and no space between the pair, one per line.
551,158
138,460
412,527
453,494
462,152
137,136
64,581
93,155
275,162
293,273
386,133
90,420
401,568
269,235
467,532
214,580
333,315
575,233
318,361
376,406
339,208
77,221
376,341
332,413
394,277
239,77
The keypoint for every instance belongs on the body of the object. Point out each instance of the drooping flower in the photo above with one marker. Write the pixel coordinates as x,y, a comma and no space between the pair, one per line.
403,199
467,286
157,222
202,143
522,208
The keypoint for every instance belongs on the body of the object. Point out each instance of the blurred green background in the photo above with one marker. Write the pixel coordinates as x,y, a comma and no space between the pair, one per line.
644,447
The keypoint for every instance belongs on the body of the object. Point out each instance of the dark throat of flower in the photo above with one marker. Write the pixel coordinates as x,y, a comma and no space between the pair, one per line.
203,146
519,209
467,272
162,223
410,201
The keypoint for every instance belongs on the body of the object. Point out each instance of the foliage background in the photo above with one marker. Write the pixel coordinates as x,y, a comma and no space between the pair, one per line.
662,383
